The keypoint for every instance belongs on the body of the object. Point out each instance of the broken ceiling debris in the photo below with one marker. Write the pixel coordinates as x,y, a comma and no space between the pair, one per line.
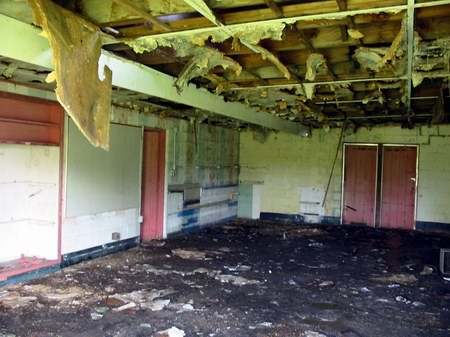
76,47
202,62
377,58
315,65
354,33
204,59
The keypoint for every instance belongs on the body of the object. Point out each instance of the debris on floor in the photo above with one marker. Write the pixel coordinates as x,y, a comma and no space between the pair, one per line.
172,332
236,280
246,279
14,300
404,279
189,254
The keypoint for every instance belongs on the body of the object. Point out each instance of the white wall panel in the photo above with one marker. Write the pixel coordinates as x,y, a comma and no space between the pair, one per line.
29,177
101,181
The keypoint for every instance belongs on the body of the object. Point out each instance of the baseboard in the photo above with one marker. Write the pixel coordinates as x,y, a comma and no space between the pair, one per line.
98,251
300,219
30,275
192,229
435,227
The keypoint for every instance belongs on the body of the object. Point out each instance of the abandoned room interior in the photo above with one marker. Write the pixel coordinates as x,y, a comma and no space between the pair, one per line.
225,168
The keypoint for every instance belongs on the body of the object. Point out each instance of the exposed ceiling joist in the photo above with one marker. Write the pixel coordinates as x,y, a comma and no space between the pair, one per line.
275,8
201,7
147,16
342,4
291,20
27,45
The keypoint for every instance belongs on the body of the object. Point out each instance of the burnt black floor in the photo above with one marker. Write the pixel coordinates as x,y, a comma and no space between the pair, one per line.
245,279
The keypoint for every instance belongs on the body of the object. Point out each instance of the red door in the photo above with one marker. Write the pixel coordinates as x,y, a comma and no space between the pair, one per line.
398,187
360,180
152,207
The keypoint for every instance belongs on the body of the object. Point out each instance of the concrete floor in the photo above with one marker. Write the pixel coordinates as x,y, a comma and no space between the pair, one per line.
245,279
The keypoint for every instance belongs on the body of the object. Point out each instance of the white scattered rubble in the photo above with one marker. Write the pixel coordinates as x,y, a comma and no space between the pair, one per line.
142,299
172,332
236,280
96,316
156,305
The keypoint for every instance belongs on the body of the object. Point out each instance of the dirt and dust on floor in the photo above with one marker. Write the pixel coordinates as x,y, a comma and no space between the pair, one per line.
245,278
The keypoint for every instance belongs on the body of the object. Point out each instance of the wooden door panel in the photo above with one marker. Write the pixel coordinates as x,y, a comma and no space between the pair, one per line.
360,172
153,185
398,187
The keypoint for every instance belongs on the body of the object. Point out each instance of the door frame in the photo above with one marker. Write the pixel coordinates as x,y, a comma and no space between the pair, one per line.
164,174
379,178
379,210
343,177
53,123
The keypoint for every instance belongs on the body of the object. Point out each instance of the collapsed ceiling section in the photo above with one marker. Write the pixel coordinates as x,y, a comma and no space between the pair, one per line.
317,63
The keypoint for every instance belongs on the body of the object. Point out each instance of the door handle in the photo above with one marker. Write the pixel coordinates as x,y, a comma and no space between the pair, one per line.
353,209
413,179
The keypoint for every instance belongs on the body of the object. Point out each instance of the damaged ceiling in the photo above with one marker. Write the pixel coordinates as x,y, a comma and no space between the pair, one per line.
315,63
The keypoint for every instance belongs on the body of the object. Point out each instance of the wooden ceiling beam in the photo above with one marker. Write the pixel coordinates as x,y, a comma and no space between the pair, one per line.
275,8
322,12
301,36
143,14
342,4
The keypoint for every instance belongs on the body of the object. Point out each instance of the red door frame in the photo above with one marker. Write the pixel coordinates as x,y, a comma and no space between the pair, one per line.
28,120
346,209
408,182
153,184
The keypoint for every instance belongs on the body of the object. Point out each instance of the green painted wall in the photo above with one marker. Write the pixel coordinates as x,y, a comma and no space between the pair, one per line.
288,165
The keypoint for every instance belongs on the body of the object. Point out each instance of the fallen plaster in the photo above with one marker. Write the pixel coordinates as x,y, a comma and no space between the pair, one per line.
76,47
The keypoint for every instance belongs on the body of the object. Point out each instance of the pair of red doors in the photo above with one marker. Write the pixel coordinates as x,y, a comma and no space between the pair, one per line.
379,185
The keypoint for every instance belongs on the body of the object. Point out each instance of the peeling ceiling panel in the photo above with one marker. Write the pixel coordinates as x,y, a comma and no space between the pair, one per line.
76,46
317,63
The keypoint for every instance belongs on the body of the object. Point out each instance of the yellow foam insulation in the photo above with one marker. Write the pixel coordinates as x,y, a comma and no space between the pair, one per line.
377,58
202,62
76,47
354,33
315,64
251,34
203,58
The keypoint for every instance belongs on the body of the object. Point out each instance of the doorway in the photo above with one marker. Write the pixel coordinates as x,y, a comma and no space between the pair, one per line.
379,185
30,184
153,167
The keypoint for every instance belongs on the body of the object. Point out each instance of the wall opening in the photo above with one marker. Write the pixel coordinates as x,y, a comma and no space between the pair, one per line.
30,184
